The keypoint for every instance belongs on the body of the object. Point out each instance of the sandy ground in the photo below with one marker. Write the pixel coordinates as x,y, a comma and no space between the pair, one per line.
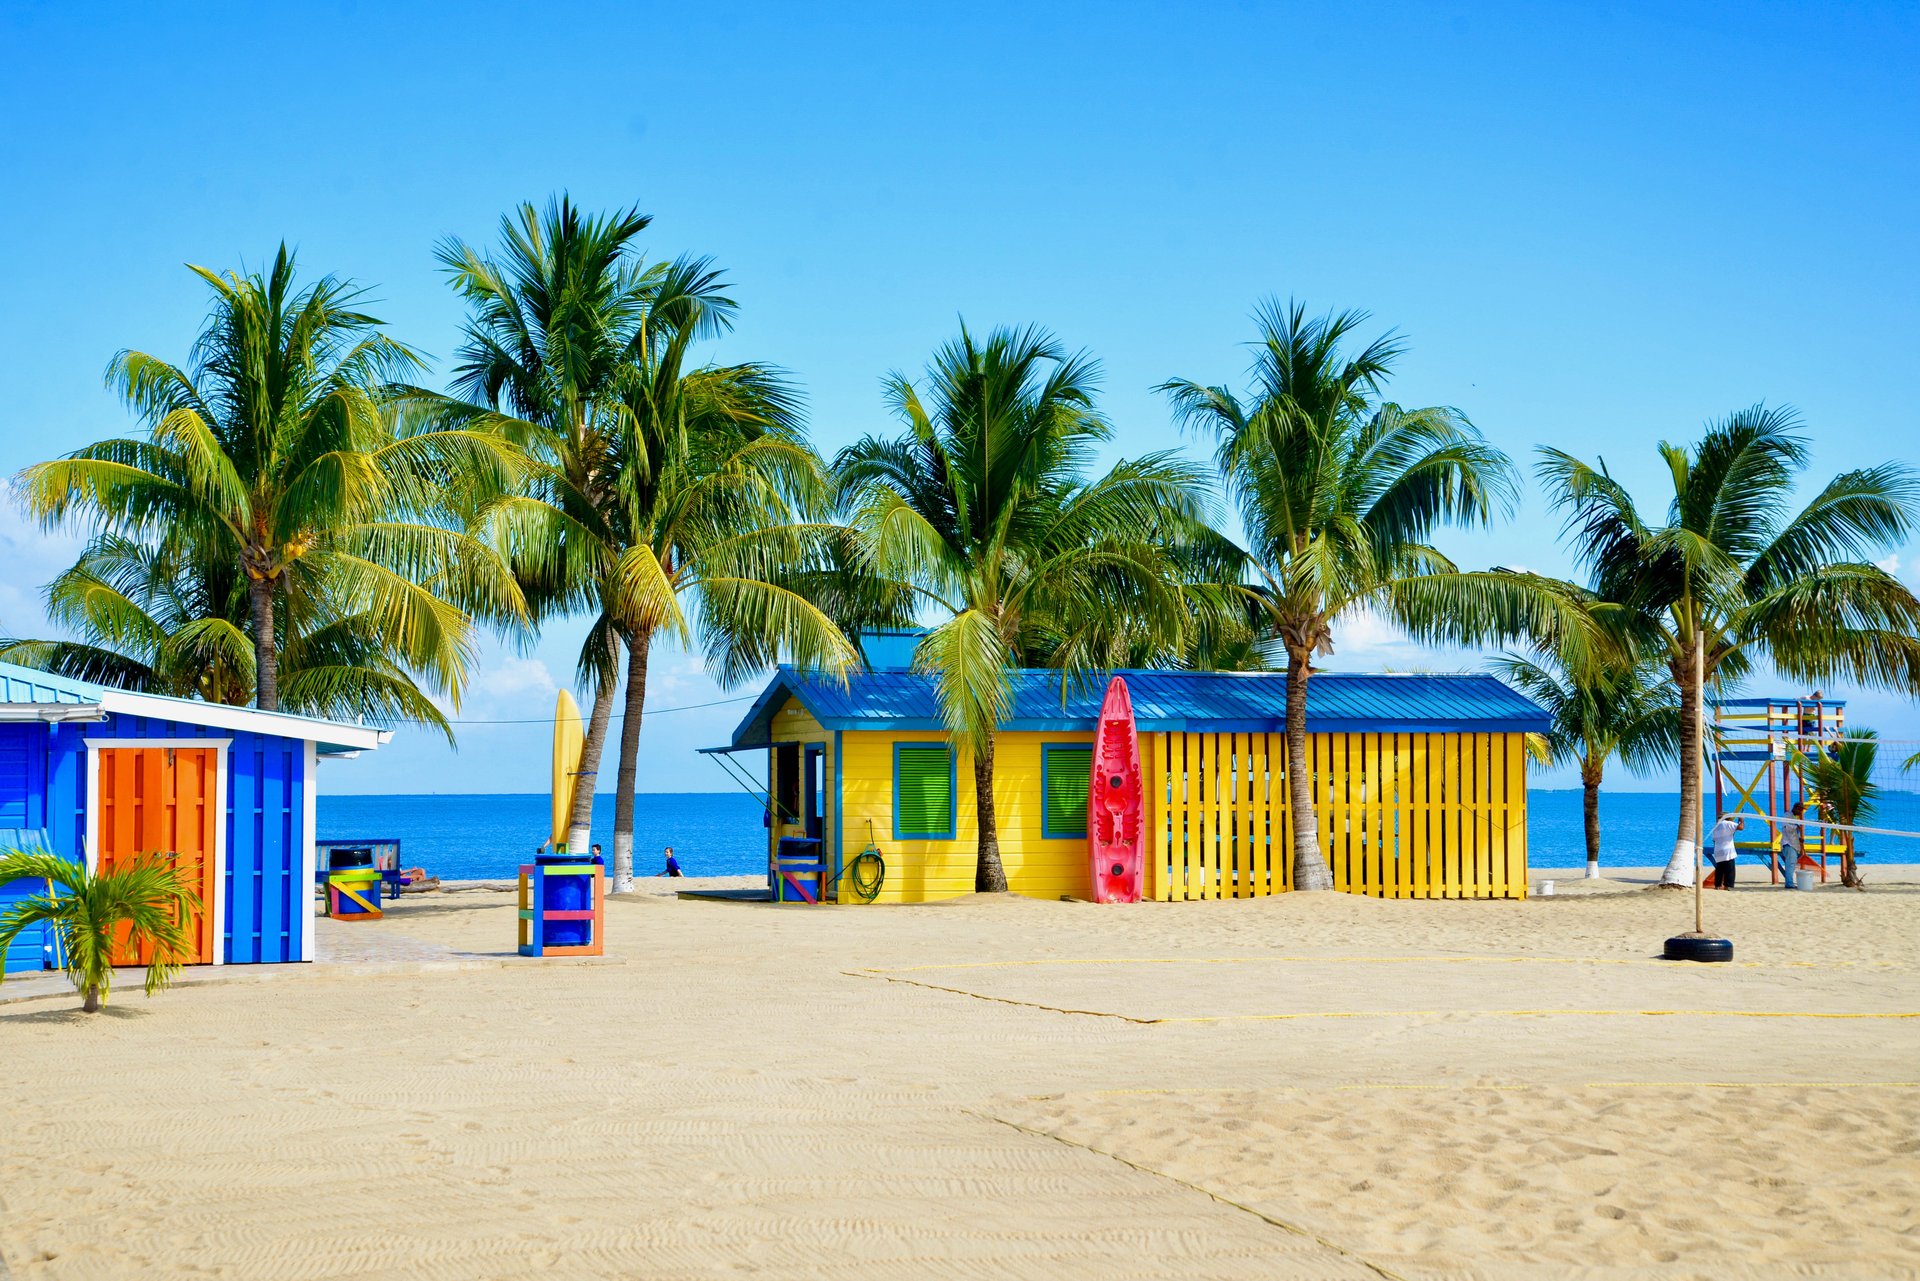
1309,1086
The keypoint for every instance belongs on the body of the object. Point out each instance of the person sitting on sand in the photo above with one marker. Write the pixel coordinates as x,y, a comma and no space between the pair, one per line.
673,867
1724,853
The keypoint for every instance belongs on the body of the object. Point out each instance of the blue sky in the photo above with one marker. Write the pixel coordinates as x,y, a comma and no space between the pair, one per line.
1598,226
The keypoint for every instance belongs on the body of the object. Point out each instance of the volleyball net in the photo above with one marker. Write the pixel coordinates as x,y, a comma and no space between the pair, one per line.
1838,792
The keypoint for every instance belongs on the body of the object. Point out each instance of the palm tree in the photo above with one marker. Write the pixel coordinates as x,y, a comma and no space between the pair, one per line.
550,320
1840,780
1734,576
149,896
647,483
163,617
271,450
1632,712
1338,492
983,507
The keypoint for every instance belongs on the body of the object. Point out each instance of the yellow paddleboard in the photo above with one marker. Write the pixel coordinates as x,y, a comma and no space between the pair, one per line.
568,740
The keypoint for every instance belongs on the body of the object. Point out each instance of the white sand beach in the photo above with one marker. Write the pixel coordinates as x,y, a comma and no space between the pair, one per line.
1305,1086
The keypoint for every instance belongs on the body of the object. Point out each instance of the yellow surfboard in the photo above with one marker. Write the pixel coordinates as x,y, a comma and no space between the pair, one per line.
568,741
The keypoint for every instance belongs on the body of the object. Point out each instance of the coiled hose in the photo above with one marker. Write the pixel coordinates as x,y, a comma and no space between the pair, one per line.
868,870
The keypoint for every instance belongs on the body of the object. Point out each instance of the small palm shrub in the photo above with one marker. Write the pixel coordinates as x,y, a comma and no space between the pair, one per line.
152,895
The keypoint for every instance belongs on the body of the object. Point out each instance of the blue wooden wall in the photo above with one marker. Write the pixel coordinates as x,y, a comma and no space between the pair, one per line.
23,808
267,899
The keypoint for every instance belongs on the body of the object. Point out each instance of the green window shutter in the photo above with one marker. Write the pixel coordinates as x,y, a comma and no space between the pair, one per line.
922,791
1068,772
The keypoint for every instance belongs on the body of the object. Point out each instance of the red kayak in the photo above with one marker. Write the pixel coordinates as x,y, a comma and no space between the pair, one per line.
1115,831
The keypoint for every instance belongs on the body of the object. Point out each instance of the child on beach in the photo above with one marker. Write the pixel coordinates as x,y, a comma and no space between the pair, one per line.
1724,853
673,867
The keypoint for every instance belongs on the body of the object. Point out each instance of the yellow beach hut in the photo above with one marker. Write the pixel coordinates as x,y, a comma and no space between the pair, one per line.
1419,783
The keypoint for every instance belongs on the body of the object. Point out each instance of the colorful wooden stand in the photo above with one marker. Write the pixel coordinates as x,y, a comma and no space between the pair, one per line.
560,915
355,895
799,861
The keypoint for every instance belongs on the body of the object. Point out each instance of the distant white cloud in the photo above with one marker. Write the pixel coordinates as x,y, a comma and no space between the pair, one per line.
32,556
514,679
1891,564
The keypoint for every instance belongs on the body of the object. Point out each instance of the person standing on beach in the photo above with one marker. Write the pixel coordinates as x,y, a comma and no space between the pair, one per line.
1724,853
1793,843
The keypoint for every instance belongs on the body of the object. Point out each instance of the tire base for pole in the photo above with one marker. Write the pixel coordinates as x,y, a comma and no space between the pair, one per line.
1698,947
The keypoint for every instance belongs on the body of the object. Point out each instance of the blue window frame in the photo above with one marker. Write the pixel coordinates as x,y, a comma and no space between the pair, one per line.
926,789
1066,775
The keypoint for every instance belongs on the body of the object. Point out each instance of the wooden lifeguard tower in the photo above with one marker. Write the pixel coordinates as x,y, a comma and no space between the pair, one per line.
1756,746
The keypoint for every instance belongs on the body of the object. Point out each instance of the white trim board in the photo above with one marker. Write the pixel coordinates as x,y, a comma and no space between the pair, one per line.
222,789
219,716
309,855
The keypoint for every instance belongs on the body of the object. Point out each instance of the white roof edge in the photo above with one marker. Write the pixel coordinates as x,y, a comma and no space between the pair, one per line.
221,716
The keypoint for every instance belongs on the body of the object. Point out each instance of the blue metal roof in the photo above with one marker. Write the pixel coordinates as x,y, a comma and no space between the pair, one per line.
24,685
1208,702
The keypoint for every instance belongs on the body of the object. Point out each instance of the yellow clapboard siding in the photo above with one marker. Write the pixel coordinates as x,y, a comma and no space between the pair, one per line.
1400,815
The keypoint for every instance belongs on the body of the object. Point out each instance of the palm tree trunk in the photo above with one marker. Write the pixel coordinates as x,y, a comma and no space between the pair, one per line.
1309,867
1683,869
1590,774
580,827
266,658
90,1001
988,876
637,648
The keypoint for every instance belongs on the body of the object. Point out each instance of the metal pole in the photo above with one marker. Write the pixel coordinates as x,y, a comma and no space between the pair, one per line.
1700,711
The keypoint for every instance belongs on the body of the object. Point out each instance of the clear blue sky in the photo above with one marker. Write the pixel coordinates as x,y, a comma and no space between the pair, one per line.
1598,227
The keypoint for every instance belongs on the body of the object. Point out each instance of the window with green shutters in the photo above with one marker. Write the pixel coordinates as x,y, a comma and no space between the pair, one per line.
1065,773
923,787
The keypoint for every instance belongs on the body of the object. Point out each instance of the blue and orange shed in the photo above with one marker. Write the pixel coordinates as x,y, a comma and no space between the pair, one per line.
97,774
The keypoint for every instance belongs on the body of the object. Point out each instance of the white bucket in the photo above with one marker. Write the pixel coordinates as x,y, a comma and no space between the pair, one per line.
1546,889
1806,878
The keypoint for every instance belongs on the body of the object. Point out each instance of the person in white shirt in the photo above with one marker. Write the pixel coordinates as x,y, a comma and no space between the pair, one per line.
1724,853
1793,844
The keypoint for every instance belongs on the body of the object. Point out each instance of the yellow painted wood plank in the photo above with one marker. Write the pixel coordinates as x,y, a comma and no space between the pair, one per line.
1449,816
1242,816
1328,759
1442,747
1283,808
1518,872
1222,850
1483,814
1189,813
1496,816
1261,816
1389,868
1376,816
1405,867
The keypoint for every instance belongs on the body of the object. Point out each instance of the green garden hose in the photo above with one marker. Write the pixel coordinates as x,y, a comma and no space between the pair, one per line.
868,870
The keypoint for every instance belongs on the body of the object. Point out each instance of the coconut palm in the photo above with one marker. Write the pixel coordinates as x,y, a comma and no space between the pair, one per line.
144,903
1632,711
1734,577
270,450
1338,492
663,497
984,508
166,618
550,319
1839,778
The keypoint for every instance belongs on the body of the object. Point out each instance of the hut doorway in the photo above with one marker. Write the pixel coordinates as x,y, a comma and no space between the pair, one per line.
163,800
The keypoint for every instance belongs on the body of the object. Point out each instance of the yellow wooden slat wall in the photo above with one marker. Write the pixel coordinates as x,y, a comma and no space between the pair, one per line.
1400,815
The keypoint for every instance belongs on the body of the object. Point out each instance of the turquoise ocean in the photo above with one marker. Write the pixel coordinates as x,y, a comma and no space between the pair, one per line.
475,837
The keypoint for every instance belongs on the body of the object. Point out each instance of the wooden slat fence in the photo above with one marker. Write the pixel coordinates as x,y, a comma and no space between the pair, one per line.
1400,815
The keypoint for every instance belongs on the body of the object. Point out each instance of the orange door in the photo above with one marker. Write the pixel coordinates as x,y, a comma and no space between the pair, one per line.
162,800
